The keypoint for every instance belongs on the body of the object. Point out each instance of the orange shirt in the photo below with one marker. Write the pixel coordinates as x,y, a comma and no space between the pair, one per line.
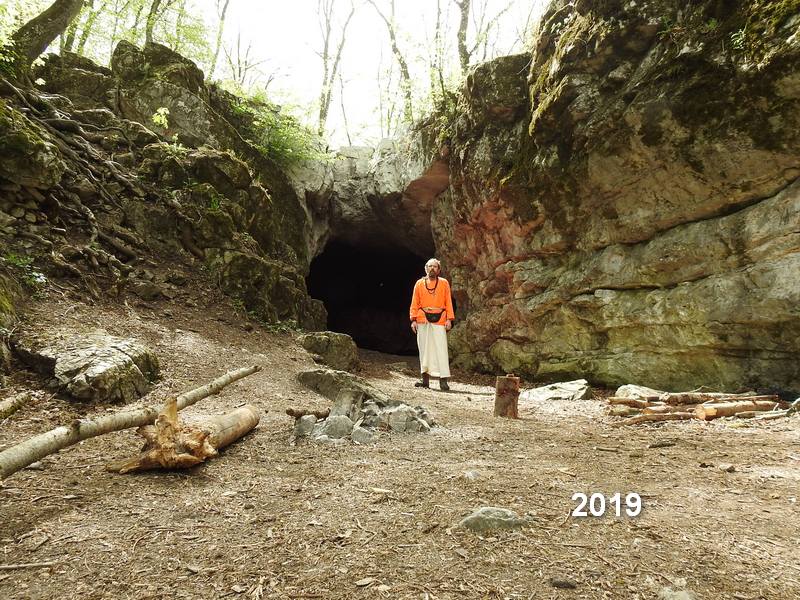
439,298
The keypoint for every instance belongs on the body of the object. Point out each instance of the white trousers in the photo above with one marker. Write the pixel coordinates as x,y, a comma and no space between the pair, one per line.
432,343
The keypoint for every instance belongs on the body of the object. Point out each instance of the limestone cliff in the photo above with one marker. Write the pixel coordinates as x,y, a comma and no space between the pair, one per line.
625,203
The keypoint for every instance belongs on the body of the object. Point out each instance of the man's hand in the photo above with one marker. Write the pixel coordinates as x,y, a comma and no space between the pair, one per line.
448,325
414,326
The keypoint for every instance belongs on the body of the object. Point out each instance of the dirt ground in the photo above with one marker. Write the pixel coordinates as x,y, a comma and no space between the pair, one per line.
270,519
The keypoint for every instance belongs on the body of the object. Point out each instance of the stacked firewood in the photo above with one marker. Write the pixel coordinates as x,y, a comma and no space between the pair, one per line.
666,406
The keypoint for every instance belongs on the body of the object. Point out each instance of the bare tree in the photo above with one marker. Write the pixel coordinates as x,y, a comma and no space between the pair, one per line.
405,76
344,111
244,70
482,25
330,61
220,28
150,24
33,38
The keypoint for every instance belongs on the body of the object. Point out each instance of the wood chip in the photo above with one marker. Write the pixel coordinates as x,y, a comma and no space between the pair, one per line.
365,582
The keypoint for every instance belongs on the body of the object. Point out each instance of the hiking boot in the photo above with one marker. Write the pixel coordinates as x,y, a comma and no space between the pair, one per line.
443,385
425,383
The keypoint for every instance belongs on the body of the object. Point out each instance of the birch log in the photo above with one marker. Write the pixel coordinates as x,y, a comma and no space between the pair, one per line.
707,412
25,453
171,444
11,405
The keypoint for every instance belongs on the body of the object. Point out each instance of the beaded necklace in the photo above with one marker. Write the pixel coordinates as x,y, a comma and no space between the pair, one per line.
431,291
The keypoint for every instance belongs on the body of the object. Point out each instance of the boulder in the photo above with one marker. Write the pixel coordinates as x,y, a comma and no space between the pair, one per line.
337,350
96,366
26,156
490,518
402,419
565,390
330,383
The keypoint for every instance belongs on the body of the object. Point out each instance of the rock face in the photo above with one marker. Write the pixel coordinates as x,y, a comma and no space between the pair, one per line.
236,213
624,202
336,350
96,367
376,197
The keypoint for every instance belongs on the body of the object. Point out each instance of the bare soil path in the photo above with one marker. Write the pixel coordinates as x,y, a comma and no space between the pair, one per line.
268,519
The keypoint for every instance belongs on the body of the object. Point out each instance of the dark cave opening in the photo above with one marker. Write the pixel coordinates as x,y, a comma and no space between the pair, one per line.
367,293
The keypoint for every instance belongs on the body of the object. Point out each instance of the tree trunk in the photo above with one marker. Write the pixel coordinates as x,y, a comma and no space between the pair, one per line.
33,38
405,75
463,53
708,412
152,17
87,29
506,397
219,38
20,456
172,445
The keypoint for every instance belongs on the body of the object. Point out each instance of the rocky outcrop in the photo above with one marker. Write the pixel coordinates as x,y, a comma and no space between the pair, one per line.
96,366
624,201
376,197
150,144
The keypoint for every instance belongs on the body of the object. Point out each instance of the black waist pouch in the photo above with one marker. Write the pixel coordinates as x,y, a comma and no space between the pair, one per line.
433,317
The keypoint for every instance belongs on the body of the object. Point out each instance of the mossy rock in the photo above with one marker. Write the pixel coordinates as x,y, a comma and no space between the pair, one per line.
26,157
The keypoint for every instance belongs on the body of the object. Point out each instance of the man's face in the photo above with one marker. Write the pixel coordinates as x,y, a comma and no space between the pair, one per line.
432,269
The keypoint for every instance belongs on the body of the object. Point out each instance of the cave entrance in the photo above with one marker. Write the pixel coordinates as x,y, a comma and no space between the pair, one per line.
367,292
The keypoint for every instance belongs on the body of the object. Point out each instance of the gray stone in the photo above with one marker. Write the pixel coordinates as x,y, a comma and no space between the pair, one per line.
636,392
95,366
360,435
337,350
566,390
304,425
325,440
335,427
402,419
347,403
330,383
491,518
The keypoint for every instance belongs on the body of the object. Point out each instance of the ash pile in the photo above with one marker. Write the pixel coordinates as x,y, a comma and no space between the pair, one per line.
359,412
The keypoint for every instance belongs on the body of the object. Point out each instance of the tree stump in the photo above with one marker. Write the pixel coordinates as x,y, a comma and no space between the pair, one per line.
506,396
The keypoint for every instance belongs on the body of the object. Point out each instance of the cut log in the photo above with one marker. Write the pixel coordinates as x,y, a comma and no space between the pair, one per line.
302,412
623,411
707,412
668,408
11,405
171,444
701,397
679,416
506,397
20,456
633,402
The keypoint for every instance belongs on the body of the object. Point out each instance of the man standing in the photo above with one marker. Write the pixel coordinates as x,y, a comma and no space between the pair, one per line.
431,318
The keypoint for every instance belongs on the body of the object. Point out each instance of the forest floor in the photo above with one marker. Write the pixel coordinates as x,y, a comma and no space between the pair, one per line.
271,519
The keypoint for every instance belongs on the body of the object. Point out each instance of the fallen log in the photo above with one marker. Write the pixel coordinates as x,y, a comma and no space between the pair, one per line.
663,409
23,454
676,416
702,397
632,402
171,444
11,405
302,412
707,412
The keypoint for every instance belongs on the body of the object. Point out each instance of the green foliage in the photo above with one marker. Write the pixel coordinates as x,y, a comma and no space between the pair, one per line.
287,326
23,265
710,26
161,117
277,134
738,38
